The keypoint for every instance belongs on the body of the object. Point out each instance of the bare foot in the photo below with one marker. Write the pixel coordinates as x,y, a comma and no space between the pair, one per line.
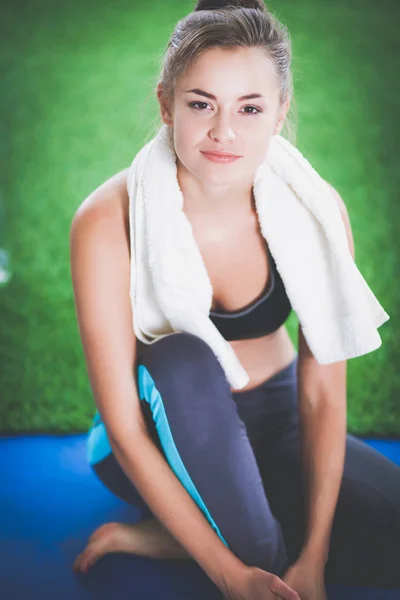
145,538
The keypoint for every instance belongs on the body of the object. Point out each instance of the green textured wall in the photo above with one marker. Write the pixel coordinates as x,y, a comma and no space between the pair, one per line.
76,108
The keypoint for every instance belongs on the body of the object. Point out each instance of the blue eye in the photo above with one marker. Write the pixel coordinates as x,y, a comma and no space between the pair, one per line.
194,104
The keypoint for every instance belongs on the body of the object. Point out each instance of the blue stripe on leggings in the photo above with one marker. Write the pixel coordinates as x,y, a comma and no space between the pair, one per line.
96,418
150,394
97,444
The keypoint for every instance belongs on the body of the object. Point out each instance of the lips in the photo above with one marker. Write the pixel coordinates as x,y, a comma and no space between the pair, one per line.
219,154
223,158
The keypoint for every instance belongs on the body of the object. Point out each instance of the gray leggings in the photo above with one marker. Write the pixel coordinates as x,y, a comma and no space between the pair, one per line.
237,454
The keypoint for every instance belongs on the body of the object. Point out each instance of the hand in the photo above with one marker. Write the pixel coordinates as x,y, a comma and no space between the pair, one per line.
307,578
257,584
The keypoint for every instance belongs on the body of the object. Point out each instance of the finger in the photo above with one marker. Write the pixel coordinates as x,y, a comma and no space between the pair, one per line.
282,590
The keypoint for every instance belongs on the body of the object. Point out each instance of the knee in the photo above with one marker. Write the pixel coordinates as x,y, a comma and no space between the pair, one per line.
181,382
182,359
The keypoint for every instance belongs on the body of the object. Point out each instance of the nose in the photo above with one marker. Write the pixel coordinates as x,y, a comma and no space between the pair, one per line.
222,131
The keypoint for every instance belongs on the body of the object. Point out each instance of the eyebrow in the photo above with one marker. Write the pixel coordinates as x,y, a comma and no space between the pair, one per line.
212,97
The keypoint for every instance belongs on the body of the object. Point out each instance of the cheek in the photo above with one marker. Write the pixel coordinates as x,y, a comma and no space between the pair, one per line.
254,130
256,145
186,148
185,136
189,140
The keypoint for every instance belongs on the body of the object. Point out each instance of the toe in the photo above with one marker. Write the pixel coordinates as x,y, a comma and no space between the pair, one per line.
103,540
104,530
77,563
90,556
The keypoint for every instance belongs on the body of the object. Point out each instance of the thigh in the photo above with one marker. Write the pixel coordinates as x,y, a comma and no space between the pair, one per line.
365,540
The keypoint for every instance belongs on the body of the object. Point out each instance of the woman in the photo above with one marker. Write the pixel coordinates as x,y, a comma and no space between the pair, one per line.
290,497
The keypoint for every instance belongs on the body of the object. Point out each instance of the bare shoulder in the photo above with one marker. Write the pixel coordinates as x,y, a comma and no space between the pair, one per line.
107,208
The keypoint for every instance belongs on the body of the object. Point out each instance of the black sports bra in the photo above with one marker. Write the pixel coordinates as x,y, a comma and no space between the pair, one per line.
265,315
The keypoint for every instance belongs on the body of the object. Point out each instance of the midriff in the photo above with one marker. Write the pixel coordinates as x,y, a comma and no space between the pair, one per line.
264,356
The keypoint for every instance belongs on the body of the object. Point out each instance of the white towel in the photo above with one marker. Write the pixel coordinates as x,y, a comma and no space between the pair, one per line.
170,289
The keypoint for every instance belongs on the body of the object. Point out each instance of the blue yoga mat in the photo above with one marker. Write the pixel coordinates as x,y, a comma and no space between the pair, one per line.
51,502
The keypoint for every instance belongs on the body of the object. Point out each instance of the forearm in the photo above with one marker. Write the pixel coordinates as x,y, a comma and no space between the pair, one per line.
170,502
323,442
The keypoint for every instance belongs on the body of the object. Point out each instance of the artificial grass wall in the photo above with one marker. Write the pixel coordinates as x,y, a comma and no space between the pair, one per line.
75,108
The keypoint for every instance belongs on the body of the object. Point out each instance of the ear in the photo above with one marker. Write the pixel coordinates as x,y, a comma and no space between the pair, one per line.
281,117
164,109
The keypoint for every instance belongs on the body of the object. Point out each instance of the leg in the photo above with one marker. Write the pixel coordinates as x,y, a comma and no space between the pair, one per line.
205,442
144,538
365,540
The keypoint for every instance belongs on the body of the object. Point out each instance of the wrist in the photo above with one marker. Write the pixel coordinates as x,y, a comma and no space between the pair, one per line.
314,557
232,575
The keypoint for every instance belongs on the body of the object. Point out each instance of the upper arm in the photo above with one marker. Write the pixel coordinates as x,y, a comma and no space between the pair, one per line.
100,270
319,382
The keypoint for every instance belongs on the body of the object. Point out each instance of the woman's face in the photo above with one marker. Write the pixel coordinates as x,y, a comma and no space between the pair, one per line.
225,122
